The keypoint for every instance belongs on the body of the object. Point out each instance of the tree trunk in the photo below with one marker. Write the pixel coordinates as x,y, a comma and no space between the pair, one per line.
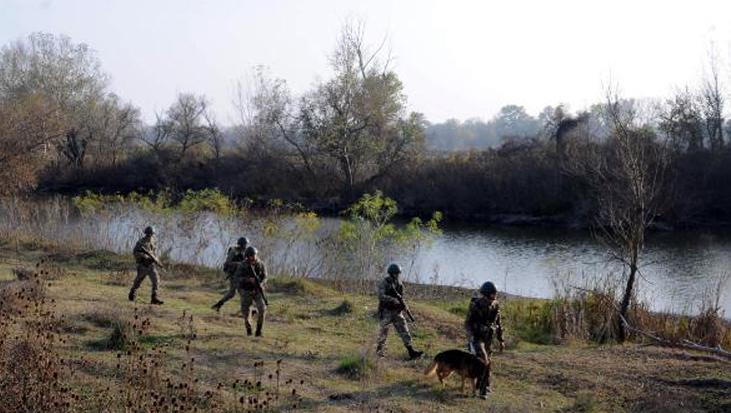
622,330
349,178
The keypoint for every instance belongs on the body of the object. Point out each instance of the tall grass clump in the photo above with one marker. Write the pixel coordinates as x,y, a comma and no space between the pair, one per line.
356,367
591,313
34,375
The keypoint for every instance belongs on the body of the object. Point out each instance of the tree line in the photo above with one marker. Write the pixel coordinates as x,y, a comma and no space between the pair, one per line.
63,130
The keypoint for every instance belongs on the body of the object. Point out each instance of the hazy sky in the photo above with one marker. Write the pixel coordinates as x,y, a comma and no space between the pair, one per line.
457,59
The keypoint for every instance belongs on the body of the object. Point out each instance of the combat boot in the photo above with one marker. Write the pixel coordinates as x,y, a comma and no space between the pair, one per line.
483,383
131,295
414,354
155,300
484,394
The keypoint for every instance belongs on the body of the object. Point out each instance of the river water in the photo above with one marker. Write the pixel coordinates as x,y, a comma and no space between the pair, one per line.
679,268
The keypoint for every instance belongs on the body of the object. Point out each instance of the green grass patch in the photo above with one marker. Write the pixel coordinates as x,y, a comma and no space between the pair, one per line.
356,367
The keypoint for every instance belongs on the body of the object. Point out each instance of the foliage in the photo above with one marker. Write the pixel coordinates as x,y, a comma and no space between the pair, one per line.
211,200
190,202
368,238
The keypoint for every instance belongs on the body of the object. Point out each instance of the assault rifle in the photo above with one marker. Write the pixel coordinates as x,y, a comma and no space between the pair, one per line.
259,288
152,257
401,301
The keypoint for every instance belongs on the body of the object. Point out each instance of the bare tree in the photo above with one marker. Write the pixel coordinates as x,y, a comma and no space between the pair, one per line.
186,121
73,148
712,102
626,175
215,135
29,127
157,136
357,119
682,122
269,119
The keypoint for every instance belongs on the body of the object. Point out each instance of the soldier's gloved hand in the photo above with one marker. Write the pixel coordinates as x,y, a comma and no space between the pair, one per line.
502,346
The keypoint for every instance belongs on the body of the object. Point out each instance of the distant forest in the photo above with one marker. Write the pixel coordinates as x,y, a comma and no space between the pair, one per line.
63,131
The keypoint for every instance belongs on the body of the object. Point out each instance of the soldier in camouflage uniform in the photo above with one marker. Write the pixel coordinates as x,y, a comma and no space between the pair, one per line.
390,311
249,272
234,257
145,255
482,324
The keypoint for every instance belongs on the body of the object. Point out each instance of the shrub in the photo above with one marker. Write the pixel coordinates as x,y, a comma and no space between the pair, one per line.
356,367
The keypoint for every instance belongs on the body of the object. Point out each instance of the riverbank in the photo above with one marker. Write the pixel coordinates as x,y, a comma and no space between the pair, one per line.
324,339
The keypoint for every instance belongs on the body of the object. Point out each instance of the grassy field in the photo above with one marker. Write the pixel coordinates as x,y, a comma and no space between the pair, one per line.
326,349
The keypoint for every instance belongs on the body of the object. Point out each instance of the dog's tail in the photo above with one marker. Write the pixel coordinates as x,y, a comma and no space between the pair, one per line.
431,369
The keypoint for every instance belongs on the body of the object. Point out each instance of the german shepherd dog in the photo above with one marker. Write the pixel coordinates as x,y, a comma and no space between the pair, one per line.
467,365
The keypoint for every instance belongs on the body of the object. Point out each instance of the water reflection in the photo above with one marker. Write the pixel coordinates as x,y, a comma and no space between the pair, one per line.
678,267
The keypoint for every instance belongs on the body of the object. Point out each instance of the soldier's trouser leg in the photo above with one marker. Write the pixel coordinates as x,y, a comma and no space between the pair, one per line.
399,323
142,272
247,298
261,310
231,293
483,354
402,328
383,325
155,280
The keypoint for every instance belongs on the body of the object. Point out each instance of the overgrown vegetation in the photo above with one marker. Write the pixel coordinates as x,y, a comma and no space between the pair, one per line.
299,243
186,358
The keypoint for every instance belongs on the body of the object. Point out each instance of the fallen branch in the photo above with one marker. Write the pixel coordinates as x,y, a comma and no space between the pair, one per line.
687,344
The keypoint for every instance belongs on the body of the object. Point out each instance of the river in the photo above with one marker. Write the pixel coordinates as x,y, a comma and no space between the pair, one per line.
679,268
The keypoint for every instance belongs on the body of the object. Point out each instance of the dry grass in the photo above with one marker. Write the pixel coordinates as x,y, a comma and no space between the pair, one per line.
183,357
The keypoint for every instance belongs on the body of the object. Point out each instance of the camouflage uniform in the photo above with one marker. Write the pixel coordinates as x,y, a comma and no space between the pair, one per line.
249,295
390,311
234,257
482,324
145,265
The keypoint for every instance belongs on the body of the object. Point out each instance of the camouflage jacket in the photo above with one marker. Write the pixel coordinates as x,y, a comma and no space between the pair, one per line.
147,244
246,272
234,256
387,290
483,319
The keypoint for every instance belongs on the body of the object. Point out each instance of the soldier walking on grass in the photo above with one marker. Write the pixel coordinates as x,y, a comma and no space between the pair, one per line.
482,324
251,276
234,258
391,309
145,254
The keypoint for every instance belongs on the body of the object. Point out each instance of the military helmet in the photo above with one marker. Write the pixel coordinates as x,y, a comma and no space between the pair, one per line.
242,242
250,252
488,288
394,269
149,230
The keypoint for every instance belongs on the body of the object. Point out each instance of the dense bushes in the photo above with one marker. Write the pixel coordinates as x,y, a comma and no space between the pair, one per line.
518,181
